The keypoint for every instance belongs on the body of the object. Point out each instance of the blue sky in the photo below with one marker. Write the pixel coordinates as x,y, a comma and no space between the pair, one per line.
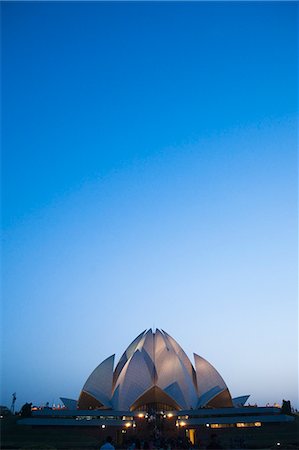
149,173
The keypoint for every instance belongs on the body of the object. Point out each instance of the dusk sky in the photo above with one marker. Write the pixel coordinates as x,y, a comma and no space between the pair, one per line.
149,179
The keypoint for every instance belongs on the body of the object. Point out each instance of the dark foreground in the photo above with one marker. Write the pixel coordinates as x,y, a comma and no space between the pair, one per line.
16,437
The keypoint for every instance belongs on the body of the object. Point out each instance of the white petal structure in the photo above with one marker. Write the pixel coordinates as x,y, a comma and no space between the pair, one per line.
211,387
154,373
133,381
238,402
96,391
69,403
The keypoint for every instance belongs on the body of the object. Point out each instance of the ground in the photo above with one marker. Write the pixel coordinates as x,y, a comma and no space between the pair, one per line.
14,436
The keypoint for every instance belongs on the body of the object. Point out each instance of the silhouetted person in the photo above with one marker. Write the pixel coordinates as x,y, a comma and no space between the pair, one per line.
108,444
26,410
286,407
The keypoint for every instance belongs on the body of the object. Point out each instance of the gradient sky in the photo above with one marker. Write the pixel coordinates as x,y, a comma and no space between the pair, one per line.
149,180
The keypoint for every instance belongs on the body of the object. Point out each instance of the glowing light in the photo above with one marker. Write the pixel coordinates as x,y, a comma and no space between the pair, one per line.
207,424
134,425
140,415
128,424
169,415
248,424
192,435
103,426
182,424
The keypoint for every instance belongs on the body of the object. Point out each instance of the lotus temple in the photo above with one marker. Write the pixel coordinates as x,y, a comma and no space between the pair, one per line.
154,390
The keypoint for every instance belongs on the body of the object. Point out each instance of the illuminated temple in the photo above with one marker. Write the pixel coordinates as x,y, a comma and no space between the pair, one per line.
154,373
155,390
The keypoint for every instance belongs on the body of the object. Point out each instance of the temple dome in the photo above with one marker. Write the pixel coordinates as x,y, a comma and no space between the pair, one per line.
154,372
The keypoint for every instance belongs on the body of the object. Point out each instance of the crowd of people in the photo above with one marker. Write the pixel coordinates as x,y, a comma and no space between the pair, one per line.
161,444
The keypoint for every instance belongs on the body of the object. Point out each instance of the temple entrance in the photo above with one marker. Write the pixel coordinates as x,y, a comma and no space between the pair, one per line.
155,400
